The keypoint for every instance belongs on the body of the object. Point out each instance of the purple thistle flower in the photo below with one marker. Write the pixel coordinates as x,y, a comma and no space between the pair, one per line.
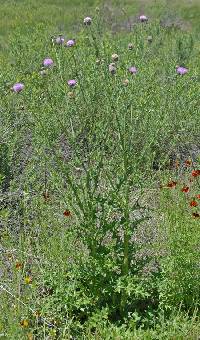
87,21
59,40
18,87
143,18
70,43
72,82
132,70
48,62
181,70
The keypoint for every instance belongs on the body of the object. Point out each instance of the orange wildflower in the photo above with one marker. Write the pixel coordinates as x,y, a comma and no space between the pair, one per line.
185,189
171,184
195,173
193,203
198,196
18,265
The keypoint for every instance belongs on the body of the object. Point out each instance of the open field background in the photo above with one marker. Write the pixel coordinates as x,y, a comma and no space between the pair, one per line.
100,181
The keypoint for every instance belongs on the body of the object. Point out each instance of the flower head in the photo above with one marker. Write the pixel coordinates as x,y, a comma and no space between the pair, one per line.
132,70
67,213
18,87
87,21
126,82
43,72
143,18
130,46
112,68
70,43
115,57
71,95
185,189
28,280
72,82
195,173
195,215
193,203
188,162
48,62
24,323
198,196
181,70
171,184
18,265
149,39
59,40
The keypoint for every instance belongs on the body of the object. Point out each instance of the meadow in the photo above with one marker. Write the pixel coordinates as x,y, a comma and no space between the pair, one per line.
99,170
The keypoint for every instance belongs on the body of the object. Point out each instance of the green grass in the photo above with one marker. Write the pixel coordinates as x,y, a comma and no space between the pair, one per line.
95,241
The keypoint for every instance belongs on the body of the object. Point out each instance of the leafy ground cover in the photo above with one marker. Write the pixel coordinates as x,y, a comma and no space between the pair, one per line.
99,171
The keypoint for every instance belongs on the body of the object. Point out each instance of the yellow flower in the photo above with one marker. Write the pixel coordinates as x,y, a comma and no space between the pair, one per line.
24,323
28,280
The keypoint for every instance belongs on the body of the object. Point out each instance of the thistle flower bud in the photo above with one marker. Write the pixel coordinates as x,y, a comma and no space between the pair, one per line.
59,40
115,57
125,82
87,21
112,68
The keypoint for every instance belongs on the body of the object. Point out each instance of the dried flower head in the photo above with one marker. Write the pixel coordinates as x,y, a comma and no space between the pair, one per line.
115,57
149,39
87,21
181,70
130,46
47,62
59,40
72,82
18,87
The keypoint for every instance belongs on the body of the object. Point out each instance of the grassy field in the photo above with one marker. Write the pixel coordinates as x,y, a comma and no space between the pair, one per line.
99,170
